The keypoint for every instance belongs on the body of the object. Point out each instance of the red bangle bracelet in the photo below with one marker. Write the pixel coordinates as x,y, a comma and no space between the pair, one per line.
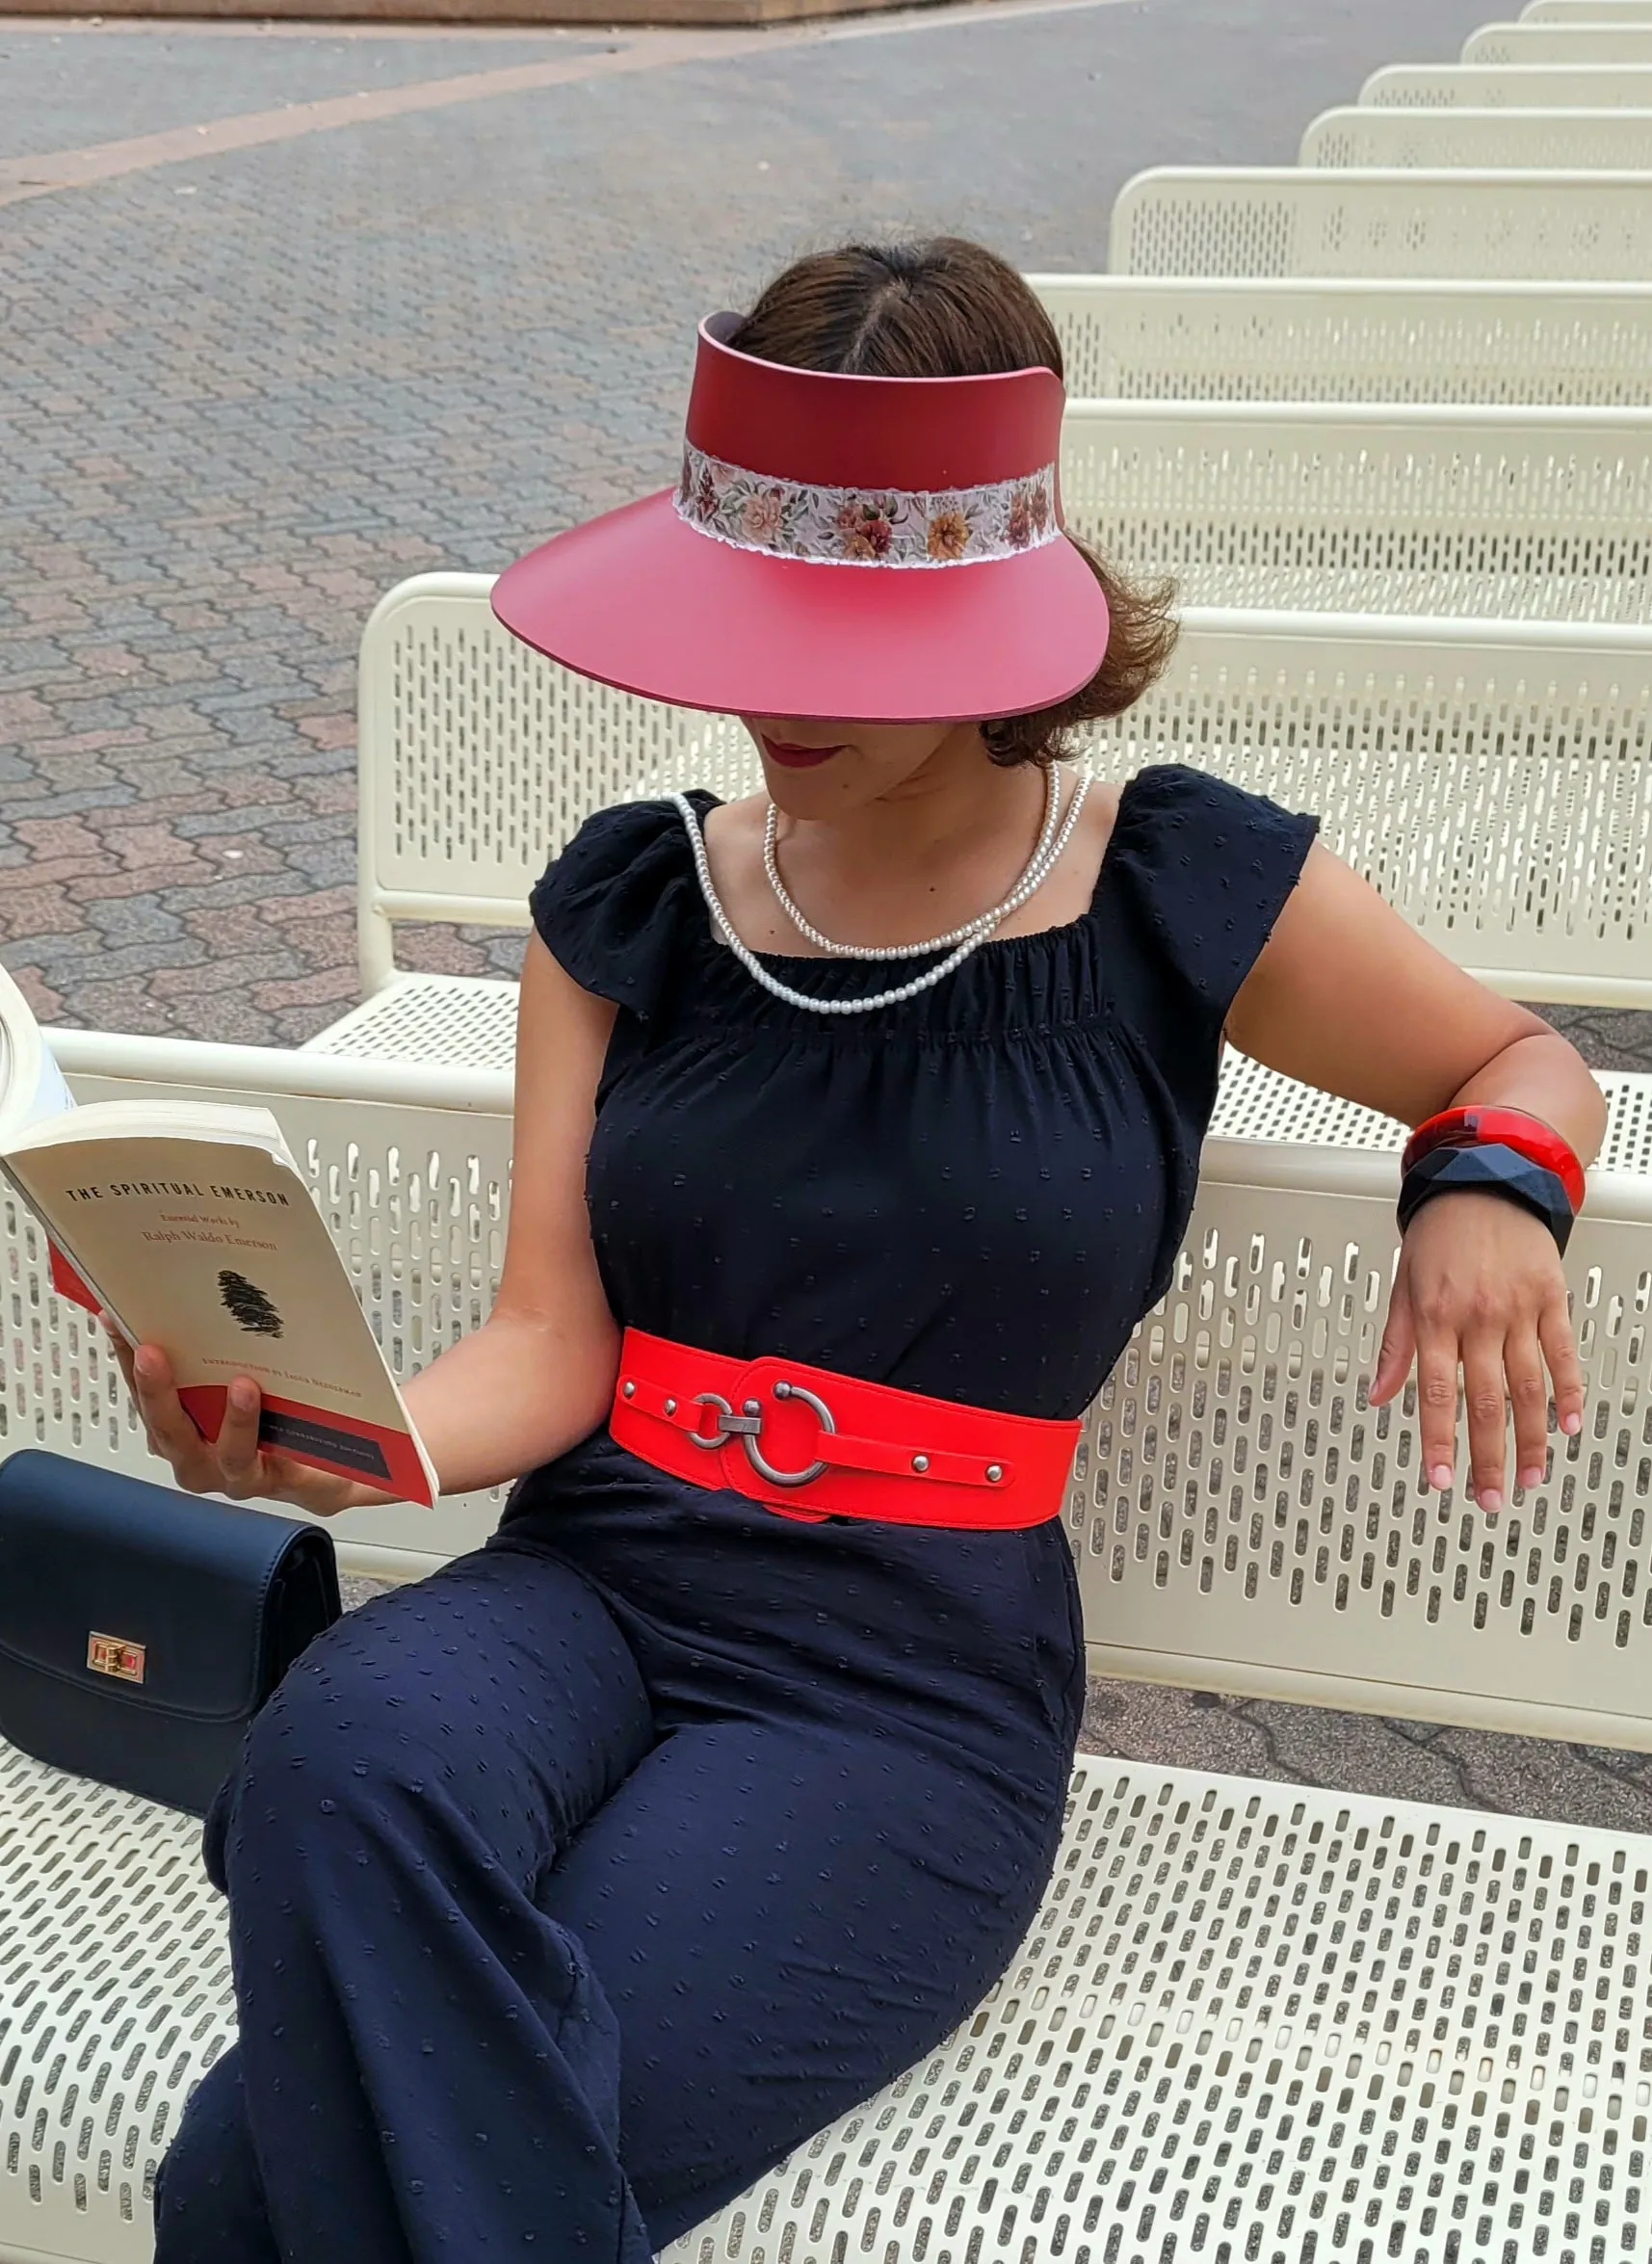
1478,1127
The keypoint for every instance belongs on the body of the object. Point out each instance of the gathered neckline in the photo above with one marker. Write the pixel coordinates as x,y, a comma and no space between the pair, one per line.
704,802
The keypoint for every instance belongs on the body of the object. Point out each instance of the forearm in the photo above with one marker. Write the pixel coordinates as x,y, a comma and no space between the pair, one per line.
1544,1075
519,1391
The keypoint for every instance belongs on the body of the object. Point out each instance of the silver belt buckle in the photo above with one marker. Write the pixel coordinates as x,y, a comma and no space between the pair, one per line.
747,1428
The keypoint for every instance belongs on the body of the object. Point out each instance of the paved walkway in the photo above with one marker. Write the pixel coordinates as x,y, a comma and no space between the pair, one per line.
250,387
291,313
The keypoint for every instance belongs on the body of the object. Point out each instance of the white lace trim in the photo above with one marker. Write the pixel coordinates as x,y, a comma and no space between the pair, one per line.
851,526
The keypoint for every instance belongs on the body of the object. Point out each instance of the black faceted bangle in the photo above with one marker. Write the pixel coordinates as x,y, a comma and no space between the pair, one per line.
1491,1169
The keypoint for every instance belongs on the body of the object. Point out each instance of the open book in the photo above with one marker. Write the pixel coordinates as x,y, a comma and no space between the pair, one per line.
193,1227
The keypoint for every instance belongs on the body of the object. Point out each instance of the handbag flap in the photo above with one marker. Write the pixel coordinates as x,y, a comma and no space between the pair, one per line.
143,1595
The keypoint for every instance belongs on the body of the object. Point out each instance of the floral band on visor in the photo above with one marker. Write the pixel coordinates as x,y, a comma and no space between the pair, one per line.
849,526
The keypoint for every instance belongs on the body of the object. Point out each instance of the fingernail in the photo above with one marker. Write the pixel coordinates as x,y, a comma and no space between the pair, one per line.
1441,1476
145,1365
1490,1502
1571,1425
1532,1474
240,1396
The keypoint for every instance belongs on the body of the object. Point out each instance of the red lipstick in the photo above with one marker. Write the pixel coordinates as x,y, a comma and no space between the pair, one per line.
791,758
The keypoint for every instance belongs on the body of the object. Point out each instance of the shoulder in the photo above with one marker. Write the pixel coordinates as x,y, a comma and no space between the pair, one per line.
1200,871
1174,818
612,909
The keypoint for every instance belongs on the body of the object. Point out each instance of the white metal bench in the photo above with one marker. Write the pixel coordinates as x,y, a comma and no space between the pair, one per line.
1528,741
1603,141
1219,219
1594,43
1487,86
1514,514
477,761
1226,338
1564,13
1247,2011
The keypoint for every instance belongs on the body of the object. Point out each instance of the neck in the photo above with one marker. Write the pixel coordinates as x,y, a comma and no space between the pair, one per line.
958,801
945,845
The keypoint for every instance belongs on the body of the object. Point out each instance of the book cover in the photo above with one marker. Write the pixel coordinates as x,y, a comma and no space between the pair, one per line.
202,1238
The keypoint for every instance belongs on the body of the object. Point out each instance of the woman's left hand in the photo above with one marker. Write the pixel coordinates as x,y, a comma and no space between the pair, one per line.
1479,1288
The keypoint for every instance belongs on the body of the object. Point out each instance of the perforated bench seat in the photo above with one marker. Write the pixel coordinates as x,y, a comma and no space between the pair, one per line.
115,1999
461,1022
1251,2021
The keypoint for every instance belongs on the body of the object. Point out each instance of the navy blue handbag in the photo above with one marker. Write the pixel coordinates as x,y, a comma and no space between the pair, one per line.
141,1629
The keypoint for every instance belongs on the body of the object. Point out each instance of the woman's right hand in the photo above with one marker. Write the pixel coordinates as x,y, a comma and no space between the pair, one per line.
234,1464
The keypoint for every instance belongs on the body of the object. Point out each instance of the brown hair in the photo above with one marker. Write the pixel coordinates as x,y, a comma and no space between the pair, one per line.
948,308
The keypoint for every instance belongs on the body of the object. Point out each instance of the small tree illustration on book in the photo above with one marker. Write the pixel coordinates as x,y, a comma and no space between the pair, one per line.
248,1304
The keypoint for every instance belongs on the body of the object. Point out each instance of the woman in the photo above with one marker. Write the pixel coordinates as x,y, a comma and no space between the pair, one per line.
574,1885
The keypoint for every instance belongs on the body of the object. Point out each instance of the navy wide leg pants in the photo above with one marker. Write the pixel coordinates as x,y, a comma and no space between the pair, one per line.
530,1966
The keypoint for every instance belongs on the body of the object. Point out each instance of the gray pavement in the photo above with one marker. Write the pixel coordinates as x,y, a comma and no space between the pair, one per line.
63,88
244,394
248,392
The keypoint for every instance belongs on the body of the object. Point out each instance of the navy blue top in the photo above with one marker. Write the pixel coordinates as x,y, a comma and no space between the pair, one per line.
975,1194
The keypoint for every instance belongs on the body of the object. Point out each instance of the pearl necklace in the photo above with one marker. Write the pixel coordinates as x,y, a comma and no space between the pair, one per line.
971,938
1039,863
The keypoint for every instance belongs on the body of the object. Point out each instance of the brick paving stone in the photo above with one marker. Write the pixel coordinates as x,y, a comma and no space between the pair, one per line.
429,341
68,88
237,415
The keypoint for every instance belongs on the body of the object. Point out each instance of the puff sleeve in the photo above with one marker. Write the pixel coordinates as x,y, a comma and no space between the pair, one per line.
1199,872
612,909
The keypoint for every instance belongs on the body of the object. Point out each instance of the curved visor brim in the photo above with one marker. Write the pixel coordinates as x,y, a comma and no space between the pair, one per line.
641,600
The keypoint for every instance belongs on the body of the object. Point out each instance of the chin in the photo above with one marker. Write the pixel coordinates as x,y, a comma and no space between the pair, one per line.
816,789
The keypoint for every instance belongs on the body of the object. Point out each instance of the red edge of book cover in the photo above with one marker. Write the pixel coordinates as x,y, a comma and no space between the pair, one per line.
68,1283
341,1444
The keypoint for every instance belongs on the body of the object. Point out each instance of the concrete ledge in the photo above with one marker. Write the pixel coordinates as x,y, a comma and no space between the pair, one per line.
532,13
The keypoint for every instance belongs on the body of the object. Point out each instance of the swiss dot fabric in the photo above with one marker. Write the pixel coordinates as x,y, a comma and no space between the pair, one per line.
573,1887
975,1194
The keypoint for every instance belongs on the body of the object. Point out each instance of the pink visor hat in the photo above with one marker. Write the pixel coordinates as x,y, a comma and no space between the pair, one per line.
888,549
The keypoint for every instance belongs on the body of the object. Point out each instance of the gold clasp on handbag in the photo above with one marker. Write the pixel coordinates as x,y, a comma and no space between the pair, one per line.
113,1655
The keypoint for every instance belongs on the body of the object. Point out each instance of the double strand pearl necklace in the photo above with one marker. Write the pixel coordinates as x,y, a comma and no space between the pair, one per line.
1052,843
983,922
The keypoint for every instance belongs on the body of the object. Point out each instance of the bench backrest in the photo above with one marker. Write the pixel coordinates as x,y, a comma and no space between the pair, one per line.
1564,13
1510,513
1489,86
479,759
1241,1521
1220,220
1608,141
1493,781
1556,42
1391,730
1192,338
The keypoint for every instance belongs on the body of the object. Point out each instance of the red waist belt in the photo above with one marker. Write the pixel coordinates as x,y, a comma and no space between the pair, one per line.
813,1444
